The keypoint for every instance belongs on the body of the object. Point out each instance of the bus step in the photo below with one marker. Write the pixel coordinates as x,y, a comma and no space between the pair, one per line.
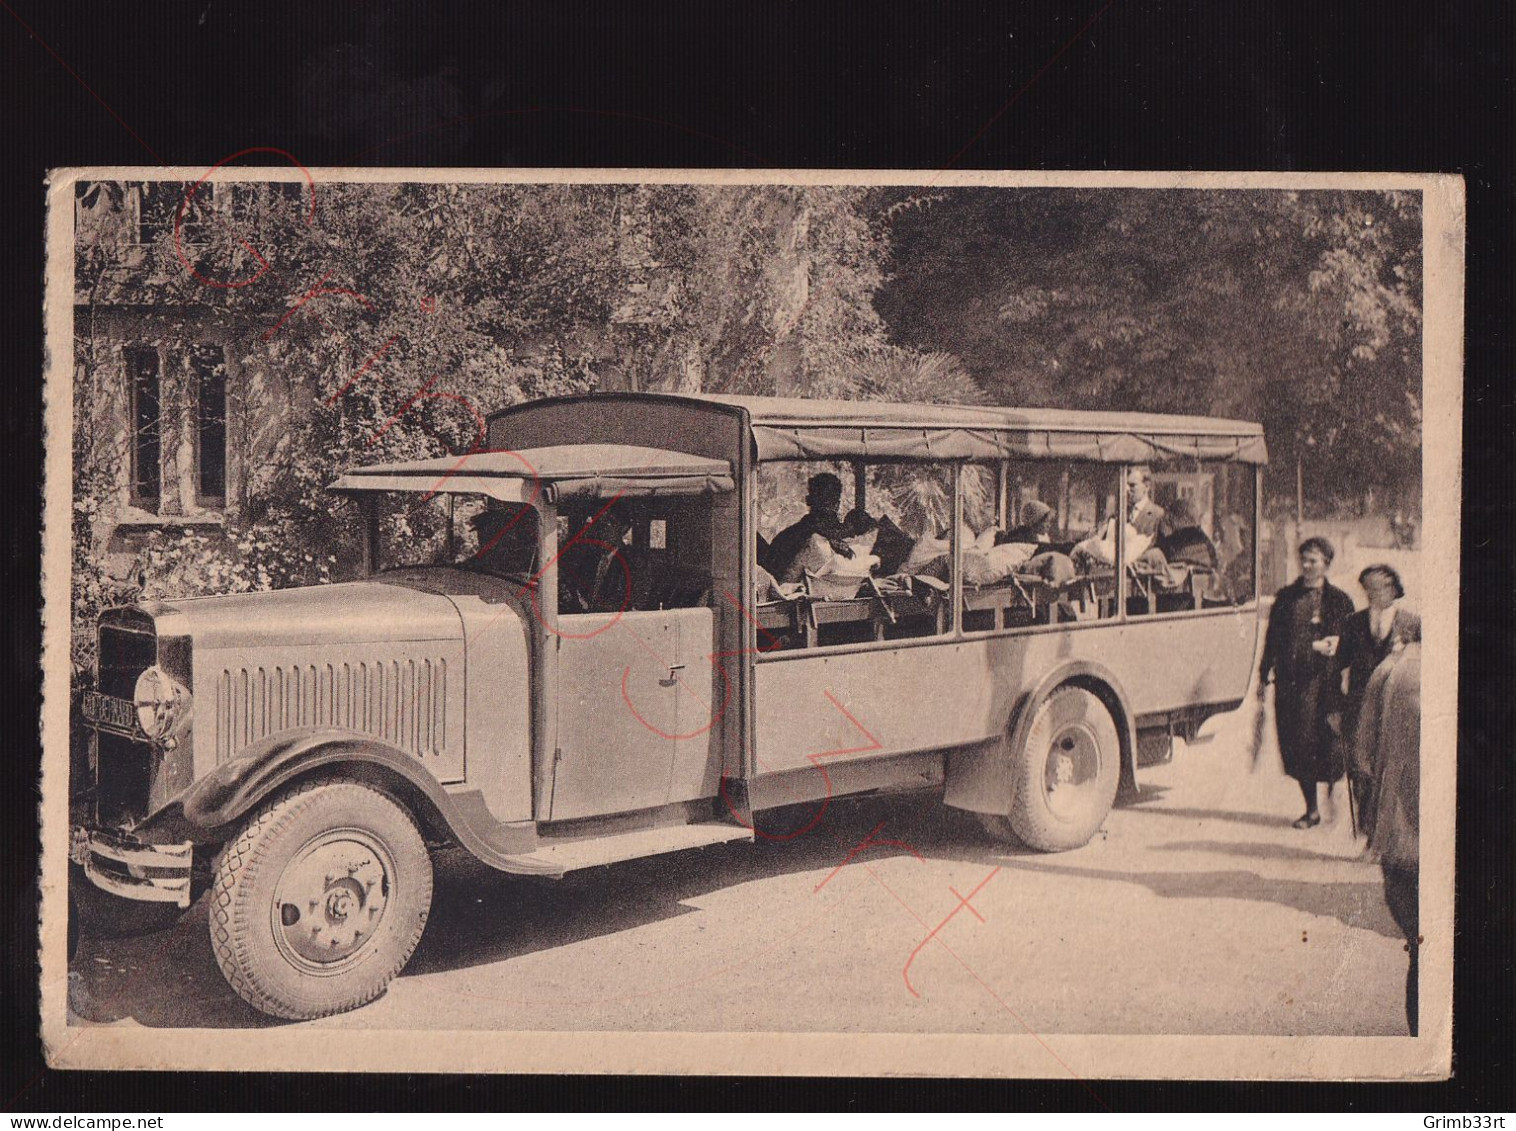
589,852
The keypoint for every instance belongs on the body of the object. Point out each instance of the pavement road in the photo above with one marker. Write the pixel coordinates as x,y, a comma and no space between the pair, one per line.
1196,910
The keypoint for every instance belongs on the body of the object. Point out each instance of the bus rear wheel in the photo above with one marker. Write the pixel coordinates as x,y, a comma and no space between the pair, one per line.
1065,775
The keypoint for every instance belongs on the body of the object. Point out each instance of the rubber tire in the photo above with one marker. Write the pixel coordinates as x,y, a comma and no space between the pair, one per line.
1031,820
247,872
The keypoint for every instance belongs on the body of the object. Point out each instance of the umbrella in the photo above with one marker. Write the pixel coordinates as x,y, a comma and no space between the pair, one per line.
1255,738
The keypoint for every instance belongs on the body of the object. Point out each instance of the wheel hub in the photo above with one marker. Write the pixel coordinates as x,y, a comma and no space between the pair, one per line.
331,898
1073,765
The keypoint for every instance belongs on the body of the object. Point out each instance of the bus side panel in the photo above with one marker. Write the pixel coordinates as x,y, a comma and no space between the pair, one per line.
904,699
961,692
1166,664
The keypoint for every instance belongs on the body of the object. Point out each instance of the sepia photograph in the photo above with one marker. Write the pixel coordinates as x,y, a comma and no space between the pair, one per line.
804,623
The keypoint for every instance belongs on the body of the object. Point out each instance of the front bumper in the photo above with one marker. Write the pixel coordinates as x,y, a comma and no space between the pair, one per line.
152,873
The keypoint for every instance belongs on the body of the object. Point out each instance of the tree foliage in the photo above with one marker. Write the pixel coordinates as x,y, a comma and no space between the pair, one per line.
1299,309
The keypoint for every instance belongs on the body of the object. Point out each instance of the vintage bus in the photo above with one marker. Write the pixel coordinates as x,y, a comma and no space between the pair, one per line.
581,646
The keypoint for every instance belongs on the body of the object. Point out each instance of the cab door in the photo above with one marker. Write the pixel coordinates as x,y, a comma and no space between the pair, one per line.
617,713
638,712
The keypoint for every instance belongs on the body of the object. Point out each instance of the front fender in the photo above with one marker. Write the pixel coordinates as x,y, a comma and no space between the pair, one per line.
979,777
208,809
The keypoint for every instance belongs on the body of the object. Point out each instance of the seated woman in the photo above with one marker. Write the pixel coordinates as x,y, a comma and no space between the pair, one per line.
1036,518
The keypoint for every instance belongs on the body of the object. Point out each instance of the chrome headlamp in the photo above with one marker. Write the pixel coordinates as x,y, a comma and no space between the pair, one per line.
163,706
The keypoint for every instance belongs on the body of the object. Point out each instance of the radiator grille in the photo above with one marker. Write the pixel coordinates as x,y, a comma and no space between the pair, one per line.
403,702
124,779
124,655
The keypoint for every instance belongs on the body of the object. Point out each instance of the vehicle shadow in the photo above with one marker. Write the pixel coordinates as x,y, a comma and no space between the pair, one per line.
1354,904
169,978
481,916
1262,820
1253,850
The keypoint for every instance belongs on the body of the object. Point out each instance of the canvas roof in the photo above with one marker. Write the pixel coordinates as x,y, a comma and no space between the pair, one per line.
562,471
796,428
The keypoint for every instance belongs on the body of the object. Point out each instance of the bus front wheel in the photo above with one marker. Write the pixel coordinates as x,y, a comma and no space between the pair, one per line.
1065,775
320,900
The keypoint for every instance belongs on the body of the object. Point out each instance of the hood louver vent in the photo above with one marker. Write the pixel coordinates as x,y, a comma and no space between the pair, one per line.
403,702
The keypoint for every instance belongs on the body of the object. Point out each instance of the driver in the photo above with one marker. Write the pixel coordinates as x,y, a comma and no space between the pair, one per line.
590,577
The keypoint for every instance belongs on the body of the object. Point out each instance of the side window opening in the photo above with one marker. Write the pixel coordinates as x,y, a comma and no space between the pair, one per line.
851,553
635,555
1202,553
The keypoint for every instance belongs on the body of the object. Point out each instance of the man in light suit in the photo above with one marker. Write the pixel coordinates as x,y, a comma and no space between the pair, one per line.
1143,517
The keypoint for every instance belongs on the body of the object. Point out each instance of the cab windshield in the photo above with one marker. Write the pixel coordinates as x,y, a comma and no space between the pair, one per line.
463,531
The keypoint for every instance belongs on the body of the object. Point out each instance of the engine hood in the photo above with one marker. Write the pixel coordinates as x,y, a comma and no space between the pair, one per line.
353,613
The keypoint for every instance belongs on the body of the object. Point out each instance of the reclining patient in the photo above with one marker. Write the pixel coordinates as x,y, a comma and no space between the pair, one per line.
995,555
1023,549
1143,517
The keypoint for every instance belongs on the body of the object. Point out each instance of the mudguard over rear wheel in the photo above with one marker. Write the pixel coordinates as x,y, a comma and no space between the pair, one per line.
1065,775
319,901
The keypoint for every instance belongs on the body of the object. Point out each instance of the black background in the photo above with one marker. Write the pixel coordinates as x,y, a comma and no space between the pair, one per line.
1128,85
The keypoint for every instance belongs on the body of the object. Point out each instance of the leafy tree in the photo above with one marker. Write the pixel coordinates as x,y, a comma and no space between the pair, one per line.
1298,309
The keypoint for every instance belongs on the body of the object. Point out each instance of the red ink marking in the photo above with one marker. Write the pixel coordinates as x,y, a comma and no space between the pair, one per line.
620,610
698,731
963,901
264,266
375,356
815,760
402,411
862,846
715,660
315,292
532,594
531,473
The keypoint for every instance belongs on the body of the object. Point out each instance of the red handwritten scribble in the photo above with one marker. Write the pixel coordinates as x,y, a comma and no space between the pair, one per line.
715,660
815,760
364,368
315,292
963,901
530,590
264,265
862,846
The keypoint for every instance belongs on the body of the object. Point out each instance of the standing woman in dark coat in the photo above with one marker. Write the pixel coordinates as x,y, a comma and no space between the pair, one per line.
1299,651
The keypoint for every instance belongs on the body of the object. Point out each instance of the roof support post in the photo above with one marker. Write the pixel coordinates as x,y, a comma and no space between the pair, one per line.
1122,564
955,593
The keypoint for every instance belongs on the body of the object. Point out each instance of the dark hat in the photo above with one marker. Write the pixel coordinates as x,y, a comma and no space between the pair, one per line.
1034,513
